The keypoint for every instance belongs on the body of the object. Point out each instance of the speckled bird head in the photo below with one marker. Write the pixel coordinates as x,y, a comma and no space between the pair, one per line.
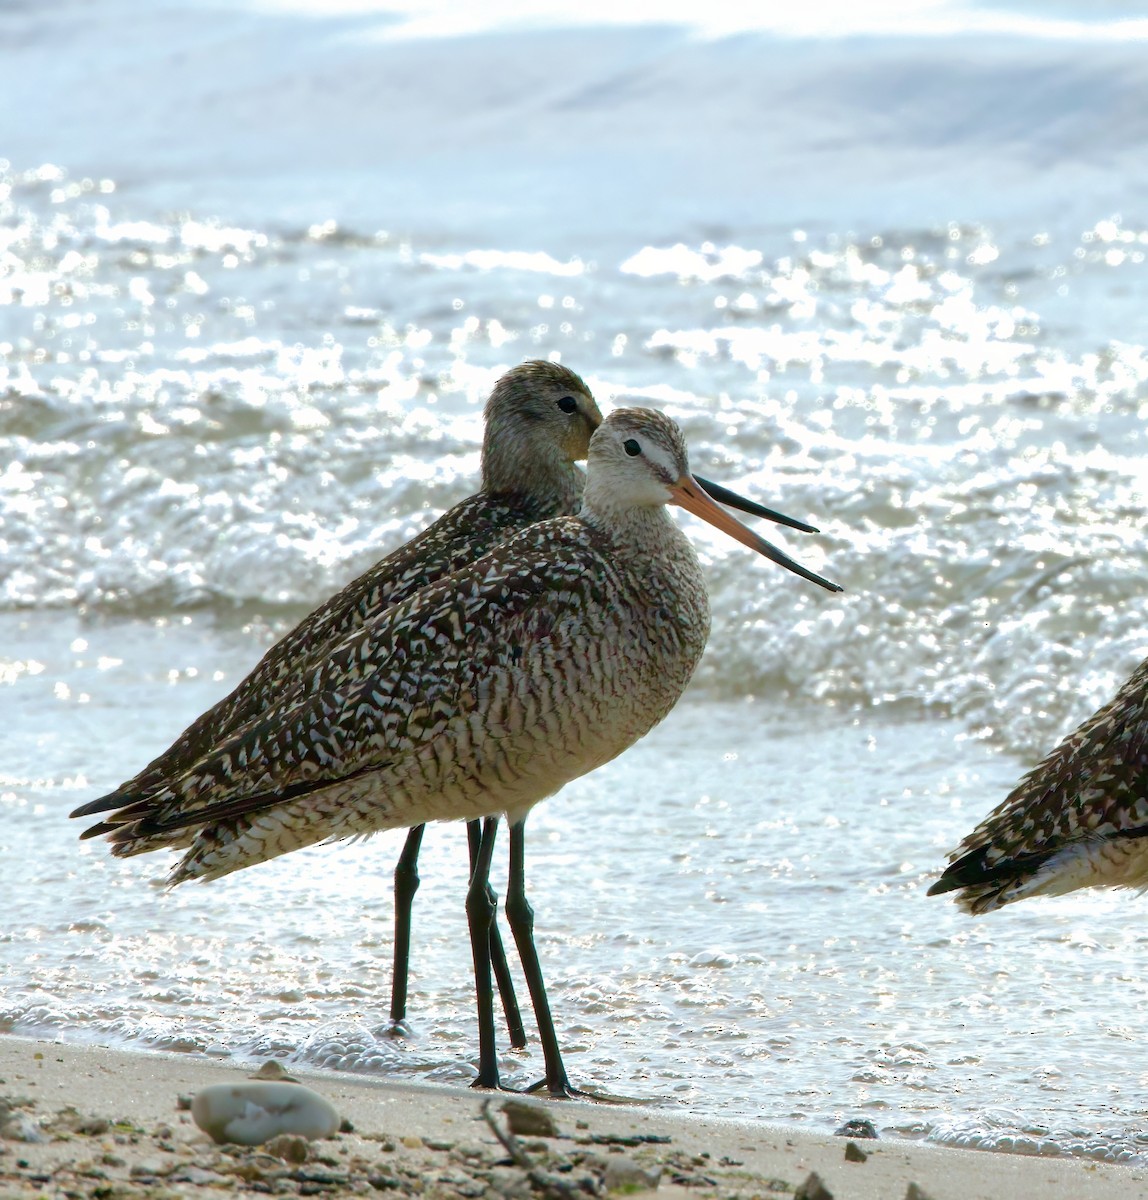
539,419
637,456
638,463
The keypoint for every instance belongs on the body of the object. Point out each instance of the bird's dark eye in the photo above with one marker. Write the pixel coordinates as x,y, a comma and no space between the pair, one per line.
568,404
631,447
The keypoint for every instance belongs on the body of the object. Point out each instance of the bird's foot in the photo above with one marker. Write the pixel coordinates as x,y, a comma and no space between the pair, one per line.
563,1089
395,1031
486,1085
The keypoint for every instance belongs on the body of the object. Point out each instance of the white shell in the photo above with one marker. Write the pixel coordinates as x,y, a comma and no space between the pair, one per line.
252,1113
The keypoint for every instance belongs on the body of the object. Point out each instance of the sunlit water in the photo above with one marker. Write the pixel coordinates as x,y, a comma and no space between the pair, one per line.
215,413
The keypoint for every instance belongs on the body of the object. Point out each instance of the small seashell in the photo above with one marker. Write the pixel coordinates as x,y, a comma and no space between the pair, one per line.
254,1112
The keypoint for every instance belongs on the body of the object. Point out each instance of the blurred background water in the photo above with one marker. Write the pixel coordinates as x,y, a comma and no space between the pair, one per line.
259,266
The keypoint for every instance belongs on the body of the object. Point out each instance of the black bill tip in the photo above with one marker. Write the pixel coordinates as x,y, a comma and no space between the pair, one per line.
732,500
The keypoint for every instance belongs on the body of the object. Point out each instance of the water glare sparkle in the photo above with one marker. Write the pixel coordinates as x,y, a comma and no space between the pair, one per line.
205,428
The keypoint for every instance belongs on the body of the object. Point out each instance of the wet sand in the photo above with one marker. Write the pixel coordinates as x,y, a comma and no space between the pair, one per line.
112,1126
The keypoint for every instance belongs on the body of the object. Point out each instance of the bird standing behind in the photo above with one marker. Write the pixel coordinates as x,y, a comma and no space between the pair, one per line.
538,422
476,697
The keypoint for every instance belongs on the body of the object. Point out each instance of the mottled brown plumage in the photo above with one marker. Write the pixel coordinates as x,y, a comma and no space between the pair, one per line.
539,419
1078,819
478,695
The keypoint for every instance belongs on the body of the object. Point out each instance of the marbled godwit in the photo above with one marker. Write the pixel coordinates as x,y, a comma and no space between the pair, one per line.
478,696
538,423
1078,819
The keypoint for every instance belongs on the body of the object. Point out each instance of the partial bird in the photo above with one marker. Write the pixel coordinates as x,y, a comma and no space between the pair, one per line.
475,698
538,423
1078,819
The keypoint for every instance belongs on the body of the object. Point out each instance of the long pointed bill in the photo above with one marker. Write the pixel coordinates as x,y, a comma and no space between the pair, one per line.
689,494
724,496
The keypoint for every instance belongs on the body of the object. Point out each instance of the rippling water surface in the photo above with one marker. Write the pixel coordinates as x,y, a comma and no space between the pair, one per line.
215,413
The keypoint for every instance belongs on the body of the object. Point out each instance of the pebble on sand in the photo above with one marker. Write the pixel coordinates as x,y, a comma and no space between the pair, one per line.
529,1119
252,1113
812,1189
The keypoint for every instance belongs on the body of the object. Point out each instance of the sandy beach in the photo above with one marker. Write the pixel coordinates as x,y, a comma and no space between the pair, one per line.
111,1125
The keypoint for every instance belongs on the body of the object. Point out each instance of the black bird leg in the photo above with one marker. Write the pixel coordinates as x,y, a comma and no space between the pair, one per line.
520,917
513,1014
406,884
480,910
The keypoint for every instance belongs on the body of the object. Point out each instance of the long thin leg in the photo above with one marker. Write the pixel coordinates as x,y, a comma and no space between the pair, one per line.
480,916
498,961
520,916
406,884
